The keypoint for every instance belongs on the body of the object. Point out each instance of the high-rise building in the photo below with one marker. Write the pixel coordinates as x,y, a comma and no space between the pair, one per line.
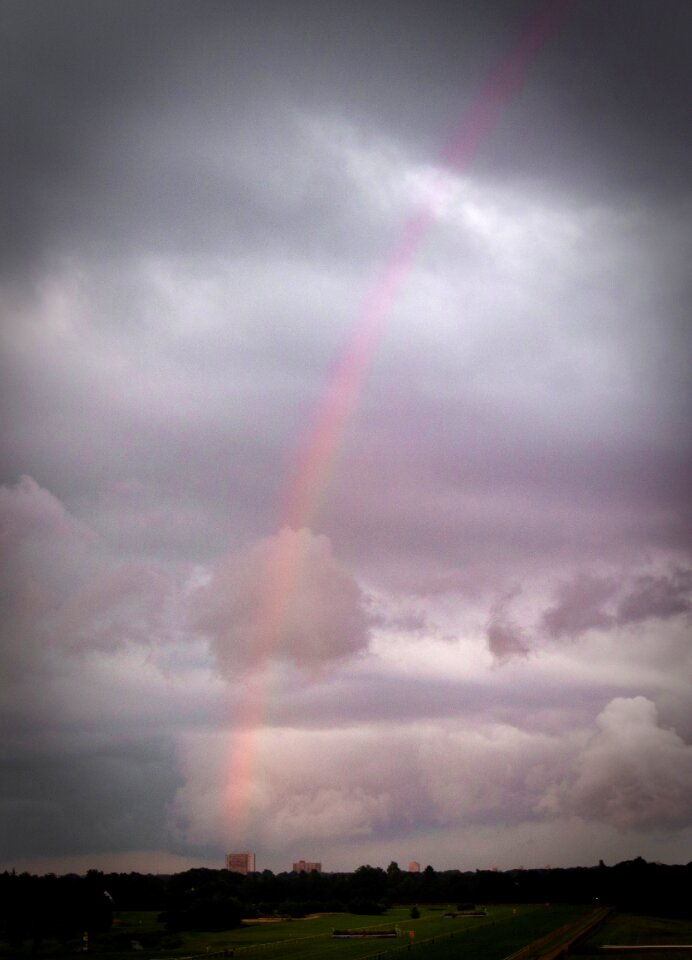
240,862
414,867
306,866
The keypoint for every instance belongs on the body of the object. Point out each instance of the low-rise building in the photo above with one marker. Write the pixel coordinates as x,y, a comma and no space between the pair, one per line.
307,866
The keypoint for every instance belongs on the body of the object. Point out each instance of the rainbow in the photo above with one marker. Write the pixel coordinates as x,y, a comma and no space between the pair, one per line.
316,454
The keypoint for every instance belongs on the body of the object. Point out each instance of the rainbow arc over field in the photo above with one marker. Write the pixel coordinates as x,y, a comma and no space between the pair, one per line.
315,456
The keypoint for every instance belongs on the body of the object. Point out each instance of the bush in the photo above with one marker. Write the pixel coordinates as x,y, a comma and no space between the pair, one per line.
171,942
289,908
202,914
369,907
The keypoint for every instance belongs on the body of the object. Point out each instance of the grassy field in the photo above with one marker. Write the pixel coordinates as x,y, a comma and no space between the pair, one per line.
493,937
632,929
481,937
496,936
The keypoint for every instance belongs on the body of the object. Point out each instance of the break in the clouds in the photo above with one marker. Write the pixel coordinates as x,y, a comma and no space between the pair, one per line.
475,642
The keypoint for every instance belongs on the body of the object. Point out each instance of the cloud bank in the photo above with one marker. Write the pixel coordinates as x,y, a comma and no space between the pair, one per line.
476,650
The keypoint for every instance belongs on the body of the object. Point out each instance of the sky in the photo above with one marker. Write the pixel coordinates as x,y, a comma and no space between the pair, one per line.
345,441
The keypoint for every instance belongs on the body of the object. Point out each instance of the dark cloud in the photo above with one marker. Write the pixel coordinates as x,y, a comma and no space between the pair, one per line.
57,802
590,602
610,94
660,597
164,126
580,606
505,637
198,198
505,640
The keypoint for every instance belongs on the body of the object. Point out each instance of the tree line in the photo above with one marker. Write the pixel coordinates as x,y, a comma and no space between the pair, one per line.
62,907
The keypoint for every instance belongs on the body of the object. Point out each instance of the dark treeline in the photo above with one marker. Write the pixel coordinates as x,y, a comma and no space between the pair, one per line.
203,899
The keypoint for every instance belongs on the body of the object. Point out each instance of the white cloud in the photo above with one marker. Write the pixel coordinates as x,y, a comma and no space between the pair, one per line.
44,547
313,785
631,773
286,597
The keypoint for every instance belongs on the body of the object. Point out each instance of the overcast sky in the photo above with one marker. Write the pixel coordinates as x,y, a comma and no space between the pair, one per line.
262,591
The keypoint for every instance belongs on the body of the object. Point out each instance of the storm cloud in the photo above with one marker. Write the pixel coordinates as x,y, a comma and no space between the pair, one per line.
475,641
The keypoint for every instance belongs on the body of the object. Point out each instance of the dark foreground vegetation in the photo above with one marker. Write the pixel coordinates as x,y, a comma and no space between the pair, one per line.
37,909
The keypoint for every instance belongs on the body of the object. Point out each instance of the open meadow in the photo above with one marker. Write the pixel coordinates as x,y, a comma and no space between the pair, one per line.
501,932
627,929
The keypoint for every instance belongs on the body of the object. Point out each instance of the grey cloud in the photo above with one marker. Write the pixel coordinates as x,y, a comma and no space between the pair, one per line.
412,622
492,776
618,129
41,542
133,603
78,775
114,111
611,484
44,554
57,801
368,694
505,637
580,606
63,72
590,602
150,125
62,587
286,597
354,794
198,198
631,773
363,782
660,597
528,469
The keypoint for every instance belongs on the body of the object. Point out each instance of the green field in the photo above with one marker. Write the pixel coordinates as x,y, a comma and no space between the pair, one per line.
626,928
496,936
504,930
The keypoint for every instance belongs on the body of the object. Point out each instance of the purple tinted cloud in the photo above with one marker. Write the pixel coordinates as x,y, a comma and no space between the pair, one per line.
197,205
285,598
579,606
659,597
632,772
505,637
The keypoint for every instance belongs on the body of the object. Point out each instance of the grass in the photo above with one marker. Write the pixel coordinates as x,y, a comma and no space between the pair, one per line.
504,930
628,928
309,939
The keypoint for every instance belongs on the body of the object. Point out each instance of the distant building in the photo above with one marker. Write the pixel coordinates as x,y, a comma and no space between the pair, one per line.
306,866
414,867
240,862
